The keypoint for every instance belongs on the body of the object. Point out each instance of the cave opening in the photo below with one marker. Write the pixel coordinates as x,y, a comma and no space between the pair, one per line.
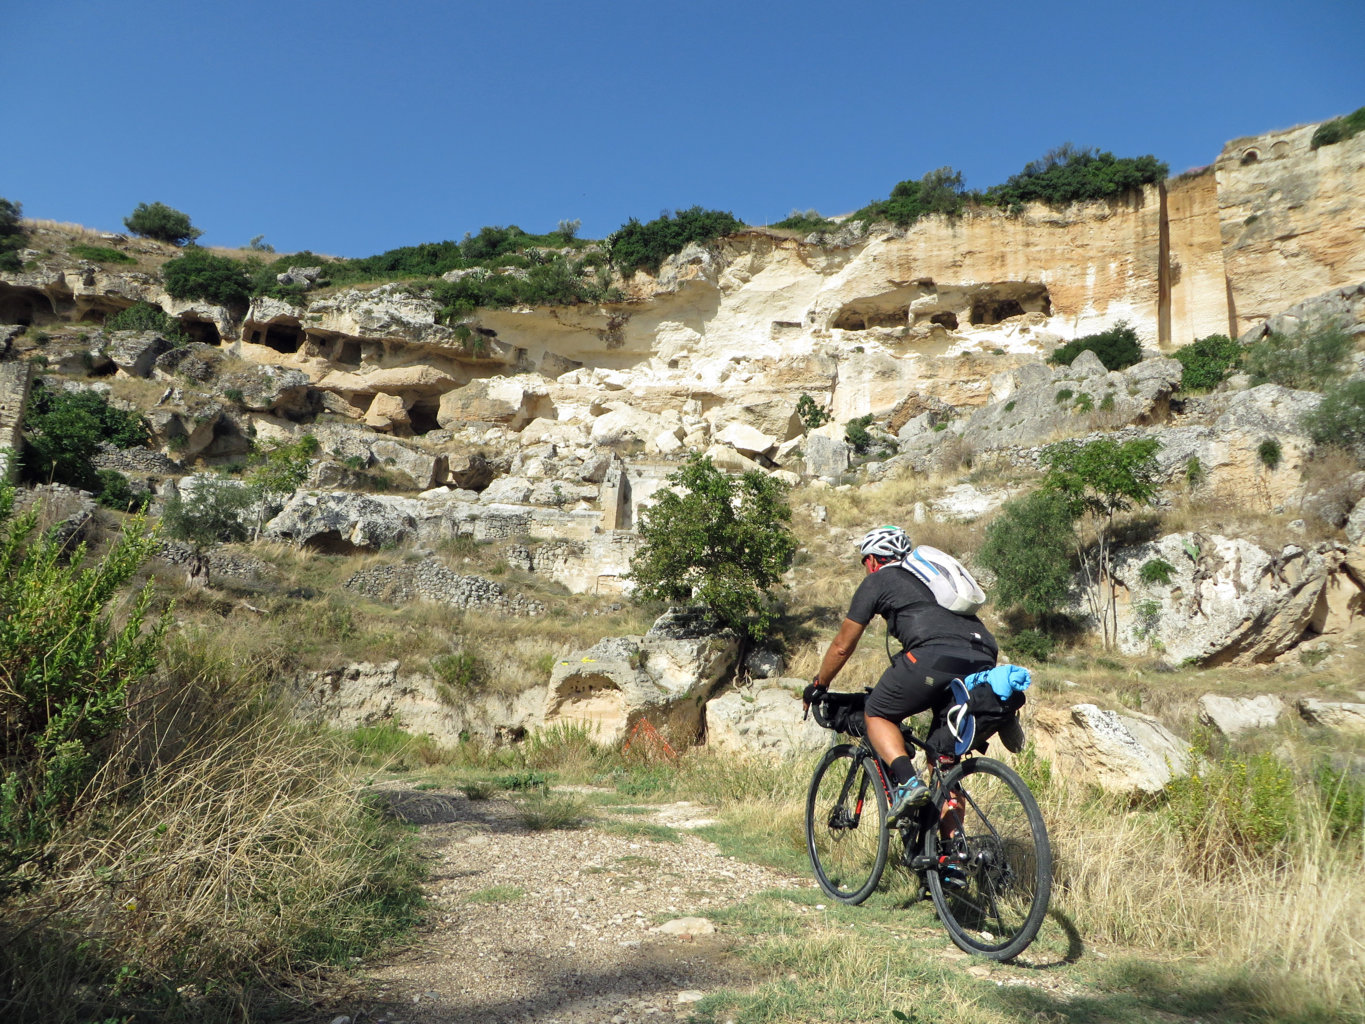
24,306
346,350
991,311
284,337
422,415
204,332
853,319
946,319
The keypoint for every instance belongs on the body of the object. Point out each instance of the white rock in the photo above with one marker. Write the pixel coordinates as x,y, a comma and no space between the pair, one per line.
1234,715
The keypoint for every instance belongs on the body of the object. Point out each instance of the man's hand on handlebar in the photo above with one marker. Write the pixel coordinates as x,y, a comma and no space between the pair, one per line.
812,693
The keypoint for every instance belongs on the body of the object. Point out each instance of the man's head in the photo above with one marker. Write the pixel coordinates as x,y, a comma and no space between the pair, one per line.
883,545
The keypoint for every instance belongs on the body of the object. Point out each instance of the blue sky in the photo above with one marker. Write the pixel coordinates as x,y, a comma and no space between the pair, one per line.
352,127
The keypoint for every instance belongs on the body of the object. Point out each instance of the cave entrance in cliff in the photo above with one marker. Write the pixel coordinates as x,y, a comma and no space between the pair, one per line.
851,318
347,351
422,415
284,337
945,320
331,542
205,332
24,306
992,311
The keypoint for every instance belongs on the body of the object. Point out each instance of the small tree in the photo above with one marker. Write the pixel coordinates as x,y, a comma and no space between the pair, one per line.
281,468
1207,362
64,431
1029,547
144,316
718,541
159,221
1116,348
1099,479
214,512
199,274
810,414
1308,357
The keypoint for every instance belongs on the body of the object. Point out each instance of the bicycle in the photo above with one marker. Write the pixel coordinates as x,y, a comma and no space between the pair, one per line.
986,862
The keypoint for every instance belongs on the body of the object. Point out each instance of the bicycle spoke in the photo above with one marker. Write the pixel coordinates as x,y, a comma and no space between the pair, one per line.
846,825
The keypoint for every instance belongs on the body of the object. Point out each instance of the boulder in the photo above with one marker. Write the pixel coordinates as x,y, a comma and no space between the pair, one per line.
624,424
665,676
1234,715
747,440
470,471
1339,716
1227,602
826,458
389,413
344,522
1126,753
730,461
511,401
416,469
763,719
136,352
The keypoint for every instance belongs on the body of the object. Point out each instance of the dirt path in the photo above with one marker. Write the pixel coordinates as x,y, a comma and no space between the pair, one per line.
557,926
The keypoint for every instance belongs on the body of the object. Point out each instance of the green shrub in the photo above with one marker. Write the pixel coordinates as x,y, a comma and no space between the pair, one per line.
199,274
63,431
554,283
11,235
1116,348
457,675
810,414
117,493
1269,453
1084,403
1229,806
67,669
1207,362
143,316
1195,474
100,254
1339,418
635,246
1308,357
806,223
717,541
1062,396
857,434
939,191
1342,796
159,221
1028,547
1340,129
1030,645
1156,571
1068,175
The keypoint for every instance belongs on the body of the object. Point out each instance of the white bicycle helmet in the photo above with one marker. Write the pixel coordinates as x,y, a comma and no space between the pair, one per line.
885,542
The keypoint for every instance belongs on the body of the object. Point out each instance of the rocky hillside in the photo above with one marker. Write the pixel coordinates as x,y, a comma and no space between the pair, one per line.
543,430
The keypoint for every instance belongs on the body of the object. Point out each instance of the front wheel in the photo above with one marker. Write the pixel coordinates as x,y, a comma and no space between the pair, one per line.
846,833
991,876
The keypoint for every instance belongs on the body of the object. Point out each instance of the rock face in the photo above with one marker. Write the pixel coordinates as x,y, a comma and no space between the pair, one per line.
763,719
1342,717
1227,602
665,676
1125,753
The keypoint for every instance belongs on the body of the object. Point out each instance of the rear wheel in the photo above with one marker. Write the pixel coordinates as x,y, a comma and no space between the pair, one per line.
992,877
846,833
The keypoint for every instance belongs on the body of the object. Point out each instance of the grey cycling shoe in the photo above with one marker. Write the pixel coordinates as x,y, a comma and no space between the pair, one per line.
907,797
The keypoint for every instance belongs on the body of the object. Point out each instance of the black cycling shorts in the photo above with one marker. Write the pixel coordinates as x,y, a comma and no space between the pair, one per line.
918,680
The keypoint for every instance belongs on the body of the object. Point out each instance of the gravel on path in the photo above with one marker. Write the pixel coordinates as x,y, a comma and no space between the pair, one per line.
557,926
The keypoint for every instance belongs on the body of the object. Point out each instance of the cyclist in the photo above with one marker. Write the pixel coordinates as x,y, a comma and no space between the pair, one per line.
937,646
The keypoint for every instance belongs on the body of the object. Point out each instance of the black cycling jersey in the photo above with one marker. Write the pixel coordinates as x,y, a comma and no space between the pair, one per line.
913,616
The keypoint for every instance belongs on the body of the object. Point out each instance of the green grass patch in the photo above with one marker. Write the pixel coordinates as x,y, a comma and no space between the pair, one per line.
496,894
100,254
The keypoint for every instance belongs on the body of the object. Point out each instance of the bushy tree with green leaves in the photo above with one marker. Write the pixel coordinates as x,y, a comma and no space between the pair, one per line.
159,221
63,431
210,512
1098,480
718,541
11,234
199,274
939,191
1029,547
805,222
1339,419
280,468
1116,348
1207,362
1308,357
635,246
1070,174
67,663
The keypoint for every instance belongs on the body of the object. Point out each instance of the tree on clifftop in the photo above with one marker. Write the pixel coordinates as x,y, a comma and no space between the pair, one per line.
159,221
718,541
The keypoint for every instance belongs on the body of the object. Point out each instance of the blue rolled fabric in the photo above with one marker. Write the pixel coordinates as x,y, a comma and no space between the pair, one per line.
1005,680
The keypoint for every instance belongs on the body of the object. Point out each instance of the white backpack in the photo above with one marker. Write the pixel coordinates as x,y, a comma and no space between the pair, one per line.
950,583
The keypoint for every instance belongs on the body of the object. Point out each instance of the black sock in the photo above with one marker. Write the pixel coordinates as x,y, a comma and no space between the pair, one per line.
902,769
